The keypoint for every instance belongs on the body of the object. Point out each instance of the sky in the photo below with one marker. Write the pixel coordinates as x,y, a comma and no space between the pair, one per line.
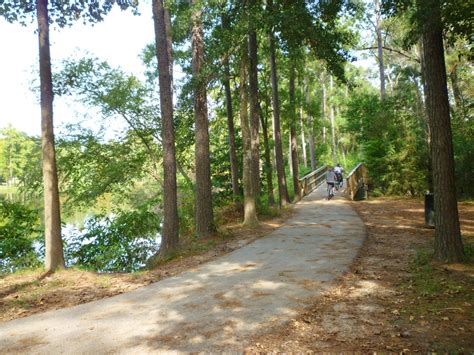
119,40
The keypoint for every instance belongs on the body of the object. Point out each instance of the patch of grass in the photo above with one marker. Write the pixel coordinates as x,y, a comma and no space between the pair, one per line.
434,288
104,281
468,253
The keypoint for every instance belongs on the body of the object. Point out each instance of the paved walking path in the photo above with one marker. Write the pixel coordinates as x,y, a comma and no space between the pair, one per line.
212,308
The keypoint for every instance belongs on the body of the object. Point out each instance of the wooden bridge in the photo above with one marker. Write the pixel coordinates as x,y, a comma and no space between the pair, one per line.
356,181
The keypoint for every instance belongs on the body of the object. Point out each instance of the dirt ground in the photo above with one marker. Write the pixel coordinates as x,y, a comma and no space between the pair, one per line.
394,298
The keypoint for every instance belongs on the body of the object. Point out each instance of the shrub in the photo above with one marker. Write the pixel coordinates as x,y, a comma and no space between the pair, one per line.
20,227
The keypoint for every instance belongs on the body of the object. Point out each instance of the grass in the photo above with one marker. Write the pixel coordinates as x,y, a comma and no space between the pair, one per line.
435,288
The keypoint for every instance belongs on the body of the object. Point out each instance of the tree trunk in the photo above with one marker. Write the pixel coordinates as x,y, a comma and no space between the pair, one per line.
250,211
255,110
290,158
54,256
230,122
333,129
268,162
169,40
378,30
312,154
284,199
448,242
426,118
303,140
324,107
170,232
204,213
294,150
457,93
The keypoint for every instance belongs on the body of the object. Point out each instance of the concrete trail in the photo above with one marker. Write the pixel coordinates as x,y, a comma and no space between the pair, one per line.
214,307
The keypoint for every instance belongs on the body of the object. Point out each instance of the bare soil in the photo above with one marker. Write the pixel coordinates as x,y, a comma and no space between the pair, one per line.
395,297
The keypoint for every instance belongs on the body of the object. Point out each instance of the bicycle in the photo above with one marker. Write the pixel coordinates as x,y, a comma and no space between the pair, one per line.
330,190
339,181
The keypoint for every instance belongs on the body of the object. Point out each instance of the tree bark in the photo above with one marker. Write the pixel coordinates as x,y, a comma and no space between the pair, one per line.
268,162
255,110
324,107
303,140
426,119
204,213
284,199
312,154
230,122
294,149
250,211
448,242
169,40
378,30
54,256
457,93
170,232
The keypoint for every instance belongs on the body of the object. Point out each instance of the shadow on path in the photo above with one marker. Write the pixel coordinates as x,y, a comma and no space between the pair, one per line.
216,306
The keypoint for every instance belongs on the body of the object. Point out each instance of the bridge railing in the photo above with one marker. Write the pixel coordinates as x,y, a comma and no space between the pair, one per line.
312,180
356,182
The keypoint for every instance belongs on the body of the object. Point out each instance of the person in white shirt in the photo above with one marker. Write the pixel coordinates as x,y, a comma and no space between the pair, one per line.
338,170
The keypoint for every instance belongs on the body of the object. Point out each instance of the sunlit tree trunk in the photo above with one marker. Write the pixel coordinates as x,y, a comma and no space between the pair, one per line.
448,242
268,163
230,121
303,140
250,211
324,107
457,93
54,256
170,232
378,30
284,199
169,40
204,212
290,157
294,149
312,154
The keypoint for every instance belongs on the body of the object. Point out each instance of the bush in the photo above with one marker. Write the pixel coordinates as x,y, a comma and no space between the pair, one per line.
121,242
19,229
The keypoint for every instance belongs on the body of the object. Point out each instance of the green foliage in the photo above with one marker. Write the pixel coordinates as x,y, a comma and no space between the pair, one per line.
89,168
463,140
62,13
456,16
19,229
20,160
121,242
390,133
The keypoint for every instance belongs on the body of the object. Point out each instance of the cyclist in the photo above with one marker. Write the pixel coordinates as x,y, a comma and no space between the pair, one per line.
338,170
330,180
